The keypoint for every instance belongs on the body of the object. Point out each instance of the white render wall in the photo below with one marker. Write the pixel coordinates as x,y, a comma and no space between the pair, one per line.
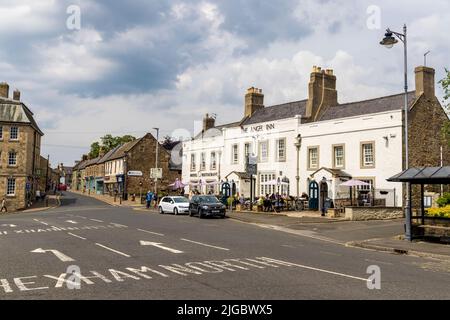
349,131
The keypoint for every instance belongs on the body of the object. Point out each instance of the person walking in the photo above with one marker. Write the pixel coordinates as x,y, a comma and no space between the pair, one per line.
149,199
4,205
155,198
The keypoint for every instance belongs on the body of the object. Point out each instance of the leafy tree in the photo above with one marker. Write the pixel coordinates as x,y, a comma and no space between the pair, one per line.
107,143
445,83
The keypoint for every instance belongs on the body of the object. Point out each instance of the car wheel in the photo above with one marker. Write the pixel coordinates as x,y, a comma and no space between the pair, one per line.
200,214
222,216
175,211
190,213
161,211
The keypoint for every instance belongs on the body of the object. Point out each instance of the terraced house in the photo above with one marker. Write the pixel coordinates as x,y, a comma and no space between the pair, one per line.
20,145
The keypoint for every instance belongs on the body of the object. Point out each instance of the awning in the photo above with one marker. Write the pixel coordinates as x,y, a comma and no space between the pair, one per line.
423,175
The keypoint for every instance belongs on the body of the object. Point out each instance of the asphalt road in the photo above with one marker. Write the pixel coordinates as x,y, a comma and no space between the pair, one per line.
123,253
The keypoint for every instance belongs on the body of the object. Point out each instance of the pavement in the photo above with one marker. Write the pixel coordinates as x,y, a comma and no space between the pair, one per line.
87,249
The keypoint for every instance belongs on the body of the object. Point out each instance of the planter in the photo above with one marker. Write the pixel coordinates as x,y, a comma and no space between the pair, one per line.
438,222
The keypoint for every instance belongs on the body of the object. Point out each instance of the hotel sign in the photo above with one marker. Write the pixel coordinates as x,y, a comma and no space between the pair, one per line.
259,128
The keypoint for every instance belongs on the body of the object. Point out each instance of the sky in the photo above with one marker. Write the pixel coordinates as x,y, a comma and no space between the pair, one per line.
87,68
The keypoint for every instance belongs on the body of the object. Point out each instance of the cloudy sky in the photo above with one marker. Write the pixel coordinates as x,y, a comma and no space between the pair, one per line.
137,64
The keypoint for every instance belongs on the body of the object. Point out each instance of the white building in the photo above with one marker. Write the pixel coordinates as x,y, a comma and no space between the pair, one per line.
312,145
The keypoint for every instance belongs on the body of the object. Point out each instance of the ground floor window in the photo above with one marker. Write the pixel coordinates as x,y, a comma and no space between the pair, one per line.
11,187
266,185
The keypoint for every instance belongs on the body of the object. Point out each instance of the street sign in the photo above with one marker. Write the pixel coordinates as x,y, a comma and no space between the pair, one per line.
252,169
252,159
135,173
156,173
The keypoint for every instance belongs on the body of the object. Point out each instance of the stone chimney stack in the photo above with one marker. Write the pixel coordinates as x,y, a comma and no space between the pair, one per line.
322,92
254,100
4,90
208,122
84,157
425,82
16,95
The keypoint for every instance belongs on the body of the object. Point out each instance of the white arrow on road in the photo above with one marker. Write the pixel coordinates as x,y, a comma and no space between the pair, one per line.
159,245
9,225
61,256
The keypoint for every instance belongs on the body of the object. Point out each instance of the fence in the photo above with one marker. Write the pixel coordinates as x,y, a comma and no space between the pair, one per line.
373,198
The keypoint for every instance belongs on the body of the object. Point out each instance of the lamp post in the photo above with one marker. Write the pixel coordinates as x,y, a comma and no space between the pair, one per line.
298,145
156,160
389,41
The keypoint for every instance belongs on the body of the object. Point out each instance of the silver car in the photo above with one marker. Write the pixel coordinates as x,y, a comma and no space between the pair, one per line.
175,205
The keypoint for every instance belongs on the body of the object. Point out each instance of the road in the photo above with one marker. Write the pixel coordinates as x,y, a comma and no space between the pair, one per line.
123,253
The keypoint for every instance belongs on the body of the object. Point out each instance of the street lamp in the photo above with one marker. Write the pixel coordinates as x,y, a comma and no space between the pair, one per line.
298,145
156,162
389,41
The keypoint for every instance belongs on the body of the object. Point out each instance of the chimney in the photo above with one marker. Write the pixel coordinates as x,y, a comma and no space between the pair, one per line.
101,152
322,92
84,157
4,90
208,122
254,100
16,95
425,82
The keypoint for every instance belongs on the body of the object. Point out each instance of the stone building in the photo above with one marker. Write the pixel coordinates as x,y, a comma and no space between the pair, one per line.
20,144
314,145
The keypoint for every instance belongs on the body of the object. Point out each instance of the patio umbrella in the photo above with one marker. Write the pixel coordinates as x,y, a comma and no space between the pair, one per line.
354,183
177,184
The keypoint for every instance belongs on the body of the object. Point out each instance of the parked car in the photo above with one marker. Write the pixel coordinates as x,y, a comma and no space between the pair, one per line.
175,205
206,206
62,187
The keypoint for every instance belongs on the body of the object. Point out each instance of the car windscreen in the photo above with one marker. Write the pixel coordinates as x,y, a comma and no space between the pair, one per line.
208,200
180,200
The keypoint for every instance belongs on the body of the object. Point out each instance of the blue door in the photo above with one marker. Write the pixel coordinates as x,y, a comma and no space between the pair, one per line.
313,196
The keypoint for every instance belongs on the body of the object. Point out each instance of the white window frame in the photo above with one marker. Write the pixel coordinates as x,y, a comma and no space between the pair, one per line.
11,187
16,133
312,166
281,158
193,162
364,155
261,158
12,155
213,160
235,154
336,157
247,151
202,161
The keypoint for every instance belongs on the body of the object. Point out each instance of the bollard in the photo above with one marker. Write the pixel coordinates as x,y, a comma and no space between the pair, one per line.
120,200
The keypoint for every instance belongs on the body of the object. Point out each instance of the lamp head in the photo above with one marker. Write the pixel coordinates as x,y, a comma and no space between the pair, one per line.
389,40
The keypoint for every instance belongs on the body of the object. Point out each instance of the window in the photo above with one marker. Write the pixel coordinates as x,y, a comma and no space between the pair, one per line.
202,161
142,148
338,156
235,154
428,201
265,187
12,158
263,151
281,149
14,133
11,187
247,151
367,155
313,158
213,161
193,165
1,132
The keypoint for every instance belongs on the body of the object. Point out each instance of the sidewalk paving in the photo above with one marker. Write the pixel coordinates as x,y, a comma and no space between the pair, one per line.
110,200
53,202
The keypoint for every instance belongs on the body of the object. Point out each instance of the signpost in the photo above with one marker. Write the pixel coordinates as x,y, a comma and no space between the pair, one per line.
135,173
251,169
156,173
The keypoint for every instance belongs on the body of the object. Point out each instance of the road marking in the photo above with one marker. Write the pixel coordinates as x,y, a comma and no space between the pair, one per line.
61,256
158,234
118,252
45,224
118,225
71,221
9,225
76,236
96,220
206,245
160,246
80,217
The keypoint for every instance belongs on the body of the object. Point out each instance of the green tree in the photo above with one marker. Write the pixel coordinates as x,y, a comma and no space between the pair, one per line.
445,83
107,143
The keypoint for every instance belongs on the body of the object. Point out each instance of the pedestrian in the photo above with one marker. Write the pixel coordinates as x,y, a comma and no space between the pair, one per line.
149,199
4,205
155,198
38,195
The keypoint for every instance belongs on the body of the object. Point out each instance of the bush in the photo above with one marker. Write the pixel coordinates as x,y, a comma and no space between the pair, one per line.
443,212
444,200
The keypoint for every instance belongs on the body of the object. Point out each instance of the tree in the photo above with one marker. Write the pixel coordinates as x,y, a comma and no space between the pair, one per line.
445,83
169,142
107,143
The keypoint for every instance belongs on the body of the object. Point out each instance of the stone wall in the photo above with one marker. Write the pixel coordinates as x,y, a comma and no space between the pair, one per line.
142,157
373,213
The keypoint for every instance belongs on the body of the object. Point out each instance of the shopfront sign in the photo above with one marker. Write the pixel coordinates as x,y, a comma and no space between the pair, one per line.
259,128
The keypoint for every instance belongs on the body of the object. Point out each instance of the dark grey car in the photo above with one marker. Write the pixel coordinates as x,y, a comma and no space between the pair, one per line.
206,206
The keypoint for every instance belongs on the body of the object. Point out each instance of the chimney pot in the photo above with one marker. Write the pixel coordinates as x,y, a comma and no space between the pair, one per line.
254,100
425,82
4,90
16,95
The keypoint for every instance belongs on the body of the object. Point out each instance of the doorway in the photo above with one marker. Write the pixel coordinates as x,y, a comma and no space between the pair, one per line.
313,195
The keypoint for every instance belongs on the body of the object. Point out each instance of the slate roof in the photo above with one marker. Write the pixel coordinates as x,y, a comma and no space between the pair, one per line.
277,112
15,111
383,104
108,154
123,149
